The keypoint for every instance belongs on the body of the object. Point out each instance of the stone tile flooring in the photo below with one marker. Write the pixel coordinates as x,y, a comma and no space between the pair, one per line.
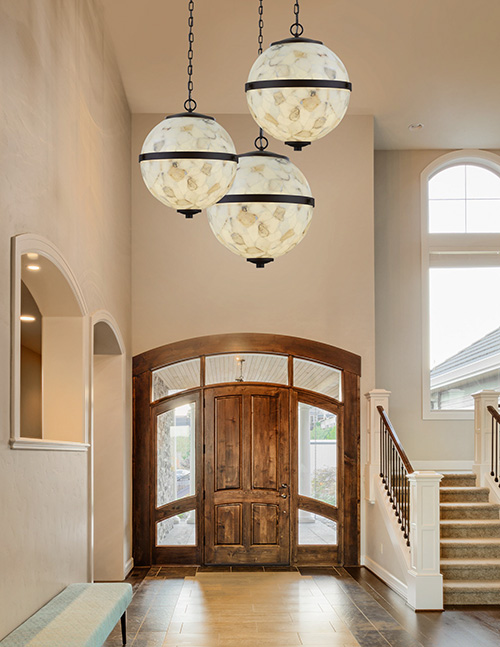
248,607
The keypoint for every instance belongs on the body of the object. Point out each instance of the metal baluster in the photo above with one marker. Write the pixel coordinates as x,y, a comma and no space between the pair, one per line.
386,459
496,452
381,429
400,497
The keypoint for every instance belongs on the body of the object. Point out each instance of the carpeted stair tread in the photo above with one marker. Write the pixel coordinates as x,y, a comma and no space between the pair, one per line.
469,541
469,510
465,504
464,494
458,479
470,561
470,522
470,528
471,585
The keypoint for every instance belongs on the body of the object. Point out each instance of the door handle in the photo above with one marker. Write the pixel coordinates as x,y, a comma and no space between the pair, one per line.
283,486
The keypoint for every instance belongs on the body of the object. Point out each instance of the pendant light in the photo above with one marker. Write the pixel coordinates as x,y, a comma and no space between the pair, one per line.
188,161
298,90
268,209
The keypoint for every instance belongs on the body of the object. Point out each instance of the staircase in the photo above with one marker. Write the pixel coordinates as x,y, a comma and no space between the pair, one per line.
470,542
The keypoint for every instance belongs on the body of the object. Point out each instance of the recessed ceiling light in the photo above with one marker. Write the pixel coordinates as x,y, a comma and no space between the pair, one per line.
33,268
414,127
32,256
27,318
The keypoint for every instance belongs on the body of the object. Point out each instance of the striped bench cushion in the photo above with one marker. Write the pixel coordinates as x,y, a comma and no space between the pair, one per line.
83,615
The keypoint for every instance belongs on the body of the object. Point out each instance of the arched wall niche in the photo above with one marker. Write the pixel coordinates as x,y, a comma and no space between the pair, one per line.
111,452
41,277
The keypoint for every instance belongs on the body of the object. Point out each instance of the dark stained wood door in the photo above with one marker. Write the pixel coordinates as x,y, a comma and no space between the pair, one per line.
247,475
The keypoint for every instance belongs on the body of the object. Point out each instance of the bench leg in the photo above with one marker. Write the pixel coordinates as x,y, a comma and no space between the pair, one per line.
124,628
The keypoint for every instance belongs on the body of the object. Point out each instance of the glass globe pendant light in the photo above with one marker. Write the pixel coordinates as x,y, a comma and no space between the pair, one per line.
268,209
298,90
188,161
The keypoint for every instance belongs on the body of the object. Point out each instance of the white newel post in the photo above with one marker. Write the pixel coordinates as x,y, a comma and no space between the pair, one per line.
374,398
425,582
482,432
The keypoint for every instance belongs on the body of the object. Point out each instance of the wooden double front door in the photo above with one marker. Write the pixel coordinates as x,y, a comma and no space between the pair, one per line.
247,476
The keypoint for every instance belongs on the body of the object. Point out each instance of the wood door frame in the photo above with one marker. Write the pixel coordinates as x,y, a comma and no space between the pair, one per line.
143,445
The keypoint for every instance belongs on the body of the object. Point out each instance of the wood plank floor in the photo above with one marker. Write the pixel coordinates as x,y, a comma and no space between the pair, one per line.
240,607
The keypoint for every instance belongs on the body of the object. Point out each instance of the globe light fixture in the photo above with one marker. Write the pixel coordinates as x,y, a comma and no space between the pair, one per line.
188,161
266,212
269,207
298,90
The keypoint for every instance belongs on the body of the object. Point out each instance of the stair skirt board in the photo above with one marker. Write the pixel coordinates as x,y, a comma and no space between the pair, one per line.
470,542
392,582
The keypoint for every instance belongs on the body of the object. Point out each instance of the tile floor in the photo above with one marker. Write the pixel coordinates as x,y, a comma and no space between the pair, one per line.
245,607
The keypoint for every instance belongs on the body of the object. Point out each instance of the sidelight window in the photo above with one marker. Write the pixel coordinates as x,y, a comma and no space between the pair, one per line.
179,530
175,454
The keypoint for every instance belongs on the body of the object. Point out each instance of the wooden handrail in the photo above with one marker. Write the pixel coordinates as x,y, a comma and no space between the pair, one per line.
395,439
494,413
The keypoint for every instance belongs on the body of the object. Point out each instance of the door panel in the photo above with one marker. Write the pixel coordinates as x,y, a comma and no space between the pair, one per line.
265,520
228,523
265,441
246,463
228,412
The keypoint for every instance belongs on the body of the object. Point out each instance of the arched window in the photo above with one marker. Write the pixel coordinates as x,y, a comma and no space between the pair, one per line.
461,276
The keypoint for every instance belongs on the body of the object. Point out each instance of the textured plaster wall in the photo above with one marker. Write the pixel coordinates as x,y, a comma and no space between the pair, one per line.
64,174
185,283
399,309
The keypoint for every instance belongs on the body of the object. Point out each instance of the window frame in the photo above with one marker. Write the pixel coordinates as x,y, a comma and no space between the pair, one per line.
467,245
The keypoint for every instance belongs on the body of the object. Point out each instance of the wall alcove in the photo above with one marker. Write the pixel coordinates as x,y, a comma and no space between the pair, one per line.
246,451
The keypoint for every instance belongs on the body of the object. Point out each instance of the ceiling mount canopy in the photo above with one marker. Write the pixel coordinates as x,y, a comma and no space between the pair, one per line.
188,161
298,90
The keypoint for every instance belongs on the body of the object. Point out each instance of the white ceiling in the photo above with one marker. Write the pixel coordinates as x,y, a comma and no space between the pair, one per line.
431,61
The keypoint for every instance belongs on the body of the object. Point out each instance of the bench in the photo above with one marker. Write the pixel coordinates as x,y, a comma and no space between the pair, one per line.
83,615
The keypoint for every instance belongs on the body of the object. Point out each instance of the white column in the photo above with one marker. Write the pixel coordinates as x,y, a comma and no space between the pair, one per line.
425,582
375,398
482,432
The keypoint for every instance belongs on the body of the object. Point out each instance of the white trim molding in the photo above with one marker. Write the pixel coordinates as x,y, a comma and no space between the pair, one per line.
48,445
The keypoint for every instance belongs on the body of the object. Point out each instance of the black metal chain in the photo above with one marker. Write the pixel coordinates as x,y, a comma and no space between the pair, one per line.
296,29
261,26
261,142
190,103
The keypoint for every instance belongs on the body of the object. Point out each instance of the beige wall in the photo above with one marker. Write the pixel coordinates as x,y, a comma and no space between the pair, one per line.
64,174
31,393
399,310
185,283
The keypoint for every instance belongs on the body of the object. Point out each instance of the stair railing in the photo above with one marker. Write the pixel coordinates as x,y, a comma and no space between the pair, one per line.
394,470
495,440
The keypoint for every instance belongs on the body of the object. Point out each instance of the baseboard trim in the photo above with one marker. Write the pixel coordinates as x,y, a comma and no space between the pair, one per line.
392,582
129,566
443,466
